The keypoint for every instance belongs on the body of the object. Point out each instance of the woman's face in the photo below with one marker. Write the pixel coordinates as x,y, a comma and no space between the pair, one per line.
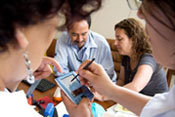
123,43
39,37
161,37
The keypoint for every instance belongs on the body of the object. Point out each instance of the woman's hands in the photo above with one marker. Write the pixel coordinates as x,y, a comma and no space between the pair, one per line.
44,69
81,110
96,76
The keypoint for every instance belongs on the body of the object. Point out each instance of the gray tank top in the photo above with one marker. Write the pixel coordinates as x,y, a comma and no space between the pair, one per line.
158,81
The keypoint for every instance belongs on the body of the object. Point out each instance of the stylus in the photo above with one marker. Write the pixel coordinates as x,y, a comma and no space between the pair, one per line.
85,67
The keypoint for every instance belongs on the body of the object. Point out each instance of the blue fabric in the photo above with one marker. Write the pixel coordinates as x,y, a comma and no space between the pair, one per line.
97,110
70,57
65,115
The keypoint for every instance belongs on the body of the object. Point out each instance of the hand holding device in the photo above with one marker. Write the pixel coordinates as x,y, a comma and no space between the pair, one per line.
73,89
97,77
83,109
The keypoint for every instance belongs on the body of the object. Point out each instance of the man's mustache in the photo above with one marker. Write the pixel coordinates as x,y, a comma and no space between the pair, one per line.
77,42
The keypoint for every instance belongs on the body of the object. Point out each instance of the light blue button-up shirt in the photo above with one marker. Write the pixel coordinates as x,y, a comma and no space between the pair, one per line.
70,57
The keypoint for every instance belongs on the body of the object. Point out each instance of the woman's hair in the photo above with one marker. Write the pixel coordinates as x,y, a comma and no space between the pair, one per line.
23,13
167,7
135,31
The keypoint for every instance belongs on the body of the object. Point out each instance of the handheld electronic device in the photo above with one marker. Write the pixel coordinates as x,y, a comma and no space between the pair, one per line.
73,89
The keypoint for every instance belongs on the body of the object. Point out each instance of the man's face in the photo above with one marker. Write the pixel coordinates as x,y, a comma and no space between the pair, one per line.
79,33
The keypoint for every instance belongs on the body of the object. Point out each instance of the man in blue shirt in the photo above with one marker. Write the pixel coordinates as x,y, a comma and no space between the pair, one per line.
79,44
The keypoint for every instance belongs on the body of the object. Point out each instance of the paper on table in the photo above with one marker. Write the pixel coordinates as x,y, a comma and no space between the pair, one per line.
117,114
120,108
119,111
61,109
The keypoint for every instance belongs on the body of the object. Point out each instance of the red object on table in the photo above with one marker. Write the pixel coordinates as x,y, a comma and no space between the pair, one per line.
46,100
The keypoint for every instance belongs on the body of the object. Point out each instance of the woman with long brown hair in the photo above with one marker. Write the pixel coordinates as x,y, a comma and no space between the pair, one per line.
139,71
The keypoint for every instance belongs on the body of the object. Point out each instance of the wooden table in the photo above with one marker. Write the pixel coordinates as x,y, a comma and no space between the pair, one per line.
37,94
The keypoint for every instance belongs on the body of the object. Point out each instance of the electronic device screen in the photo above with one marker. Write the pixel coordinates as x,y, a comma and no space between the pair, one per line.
73,89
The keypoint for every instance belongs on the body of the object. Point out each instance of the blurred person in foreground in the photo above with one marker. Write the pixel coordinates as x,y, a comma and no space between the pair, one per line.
27,28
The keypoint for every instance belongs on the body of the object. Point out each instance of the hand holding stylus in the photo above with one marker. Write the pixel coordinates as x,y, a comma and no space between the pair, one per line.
85,67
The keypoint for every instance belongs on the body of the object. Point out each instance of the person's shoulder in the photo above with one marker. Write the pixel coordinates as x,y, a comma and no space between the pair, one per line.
98,38
19,95
96,35
148,59
151,107
15,102
63,38
65,33
147,56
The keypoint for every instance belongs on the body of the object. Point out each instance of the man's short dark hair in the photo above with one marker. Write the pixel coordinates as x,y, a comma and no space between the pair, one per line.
76,19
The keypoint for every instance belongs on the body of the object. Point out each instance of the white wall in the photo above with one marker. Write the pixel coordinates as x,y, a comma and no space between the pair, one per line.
112,12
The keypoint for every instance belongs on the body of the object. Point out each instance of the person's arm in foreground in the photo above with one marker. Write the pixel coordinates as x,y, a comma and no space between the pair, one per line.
98,79
81,110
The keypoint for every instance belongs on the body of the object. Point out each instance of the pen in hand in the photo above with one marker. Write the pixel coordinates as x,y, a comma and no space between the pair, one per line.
85,67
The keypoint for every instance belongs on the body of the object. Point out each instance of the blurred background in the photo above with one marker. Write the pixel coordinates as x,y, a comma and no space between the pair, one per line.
112,12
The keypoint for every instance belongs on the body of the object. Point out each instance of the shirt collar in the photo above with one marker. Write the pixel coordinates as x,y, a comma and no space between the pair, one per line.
6,90
91,42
